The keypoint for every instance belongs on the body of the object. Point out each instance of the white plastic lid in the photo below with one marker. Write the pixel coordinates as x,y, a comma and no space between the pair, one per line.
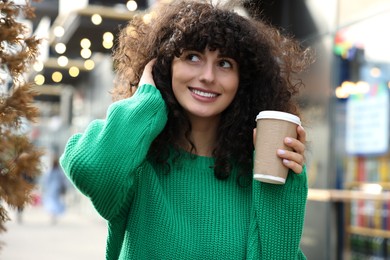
271,114
269,178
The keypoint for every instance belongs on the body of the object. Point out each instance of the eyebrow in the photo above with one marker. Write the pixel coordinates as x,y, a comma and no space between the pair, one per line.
220,55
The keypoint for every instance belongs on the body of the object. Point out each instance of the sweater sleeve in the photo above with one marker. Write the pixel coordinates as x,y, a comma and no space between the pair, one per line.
278,218
103,160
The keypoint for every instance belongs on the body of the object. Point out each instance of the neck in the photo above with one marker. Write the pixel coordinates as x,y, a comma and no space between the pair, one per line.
203,136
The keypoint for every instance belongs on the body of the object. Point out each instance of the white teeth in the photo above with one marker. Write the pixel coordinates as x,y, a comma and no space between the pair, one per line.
203,94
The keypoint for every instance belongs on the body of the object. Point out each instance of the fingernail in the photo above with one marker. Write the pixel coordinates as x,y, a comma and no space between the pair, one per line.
285,161
281,152
288,140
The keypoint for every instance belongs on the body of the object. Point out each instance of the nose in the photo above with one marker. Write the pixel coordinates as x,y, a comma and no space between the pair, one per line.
207,73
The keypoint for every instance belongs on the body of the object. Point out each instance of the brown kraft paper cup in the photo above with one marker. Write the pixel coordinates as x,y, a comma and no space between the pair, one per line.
272,128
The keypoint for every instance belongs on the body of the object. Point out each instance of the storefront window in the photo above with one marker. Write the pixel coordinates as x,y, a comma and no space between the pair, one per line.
362,133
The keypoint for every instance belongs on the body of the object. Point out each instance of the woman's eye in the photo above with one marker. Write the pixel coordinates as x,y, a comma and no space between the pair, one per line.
225,64
193,57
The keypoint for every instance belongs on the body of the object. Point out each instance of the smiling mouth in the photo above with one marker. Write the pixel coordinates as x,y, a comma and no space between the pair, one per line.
203,94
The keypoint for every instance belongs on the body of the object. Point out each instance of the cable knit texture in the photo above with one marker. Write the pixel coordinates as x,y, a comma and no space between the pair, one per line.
186,213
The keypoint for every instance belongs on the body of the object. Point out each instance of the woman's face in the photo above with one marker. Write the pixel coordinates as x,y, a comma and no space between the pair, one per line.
204,83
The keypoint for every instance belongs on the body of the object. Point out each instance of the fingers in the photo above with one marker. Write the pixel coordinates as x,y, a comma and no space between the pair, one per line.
291,160
147,76
294,159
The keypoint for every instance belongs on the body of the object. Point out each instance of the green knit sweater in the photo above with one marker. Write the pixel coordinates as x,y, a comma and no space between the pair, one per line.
186,213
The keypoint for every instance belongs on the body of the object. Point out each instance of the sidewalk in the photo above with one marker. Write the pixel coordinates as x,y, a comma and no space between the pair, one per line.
79,234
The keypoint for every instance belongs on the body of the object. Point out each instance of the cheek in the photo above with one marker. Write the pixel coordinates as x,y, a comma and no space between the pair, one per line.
174,90
177,78
177,89
175,85
232,81
232,85
174,82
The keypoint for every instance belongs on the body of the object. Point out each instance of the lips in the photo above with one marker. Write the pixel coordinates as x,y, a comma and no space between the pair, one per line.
203,93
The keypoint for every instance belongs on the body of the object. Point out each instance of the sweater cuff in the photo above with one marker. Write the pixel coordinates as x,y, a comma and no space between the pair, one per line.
146,88
295,180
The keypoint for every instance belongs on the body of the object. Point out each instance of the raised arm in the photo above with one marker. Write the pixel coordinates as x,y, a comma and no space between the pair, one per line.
102,161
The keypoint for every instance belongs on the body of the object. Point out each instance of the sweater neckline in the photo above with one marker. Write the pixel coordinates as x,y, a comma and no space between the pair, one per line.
193,160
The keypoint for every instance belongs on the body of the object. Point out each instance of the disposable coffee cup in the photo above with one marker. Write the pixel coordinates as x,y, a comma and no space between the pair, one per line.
272,128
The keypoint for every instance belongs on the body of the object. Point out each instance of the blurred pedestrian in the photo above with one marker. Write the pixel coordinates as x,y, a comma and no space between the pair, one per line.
54,187
170,168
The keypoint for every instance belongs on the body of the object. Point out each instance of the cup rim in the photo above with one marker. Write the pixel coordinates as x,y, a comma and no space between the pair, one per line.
273,114
269,178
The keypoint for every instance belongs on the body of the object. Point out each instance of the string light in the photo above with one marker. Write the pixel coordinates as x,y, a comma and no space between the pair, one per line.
89,64
59,31
96,19
131,5
60,48
85,43
62,61
107,45
74,71
56,76
39,79
108,36
348,88
108,40
85,53
147,18
38,66
375,72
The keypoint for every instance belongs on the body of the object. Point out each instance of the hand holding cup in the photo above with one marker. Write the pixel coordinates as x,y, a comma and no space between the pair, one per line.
279,146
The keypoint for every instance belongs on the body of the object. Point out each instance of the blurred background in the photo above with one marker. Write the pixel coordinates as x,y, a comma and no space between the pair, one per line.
345,106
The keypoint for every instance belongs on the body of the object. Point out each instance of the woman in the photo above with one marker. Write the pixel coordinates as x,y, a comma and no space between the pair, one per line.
170,168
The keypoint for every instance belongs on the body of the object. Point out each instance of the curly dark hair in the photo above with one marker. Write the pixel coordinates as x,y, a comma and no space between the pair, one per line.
268,63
